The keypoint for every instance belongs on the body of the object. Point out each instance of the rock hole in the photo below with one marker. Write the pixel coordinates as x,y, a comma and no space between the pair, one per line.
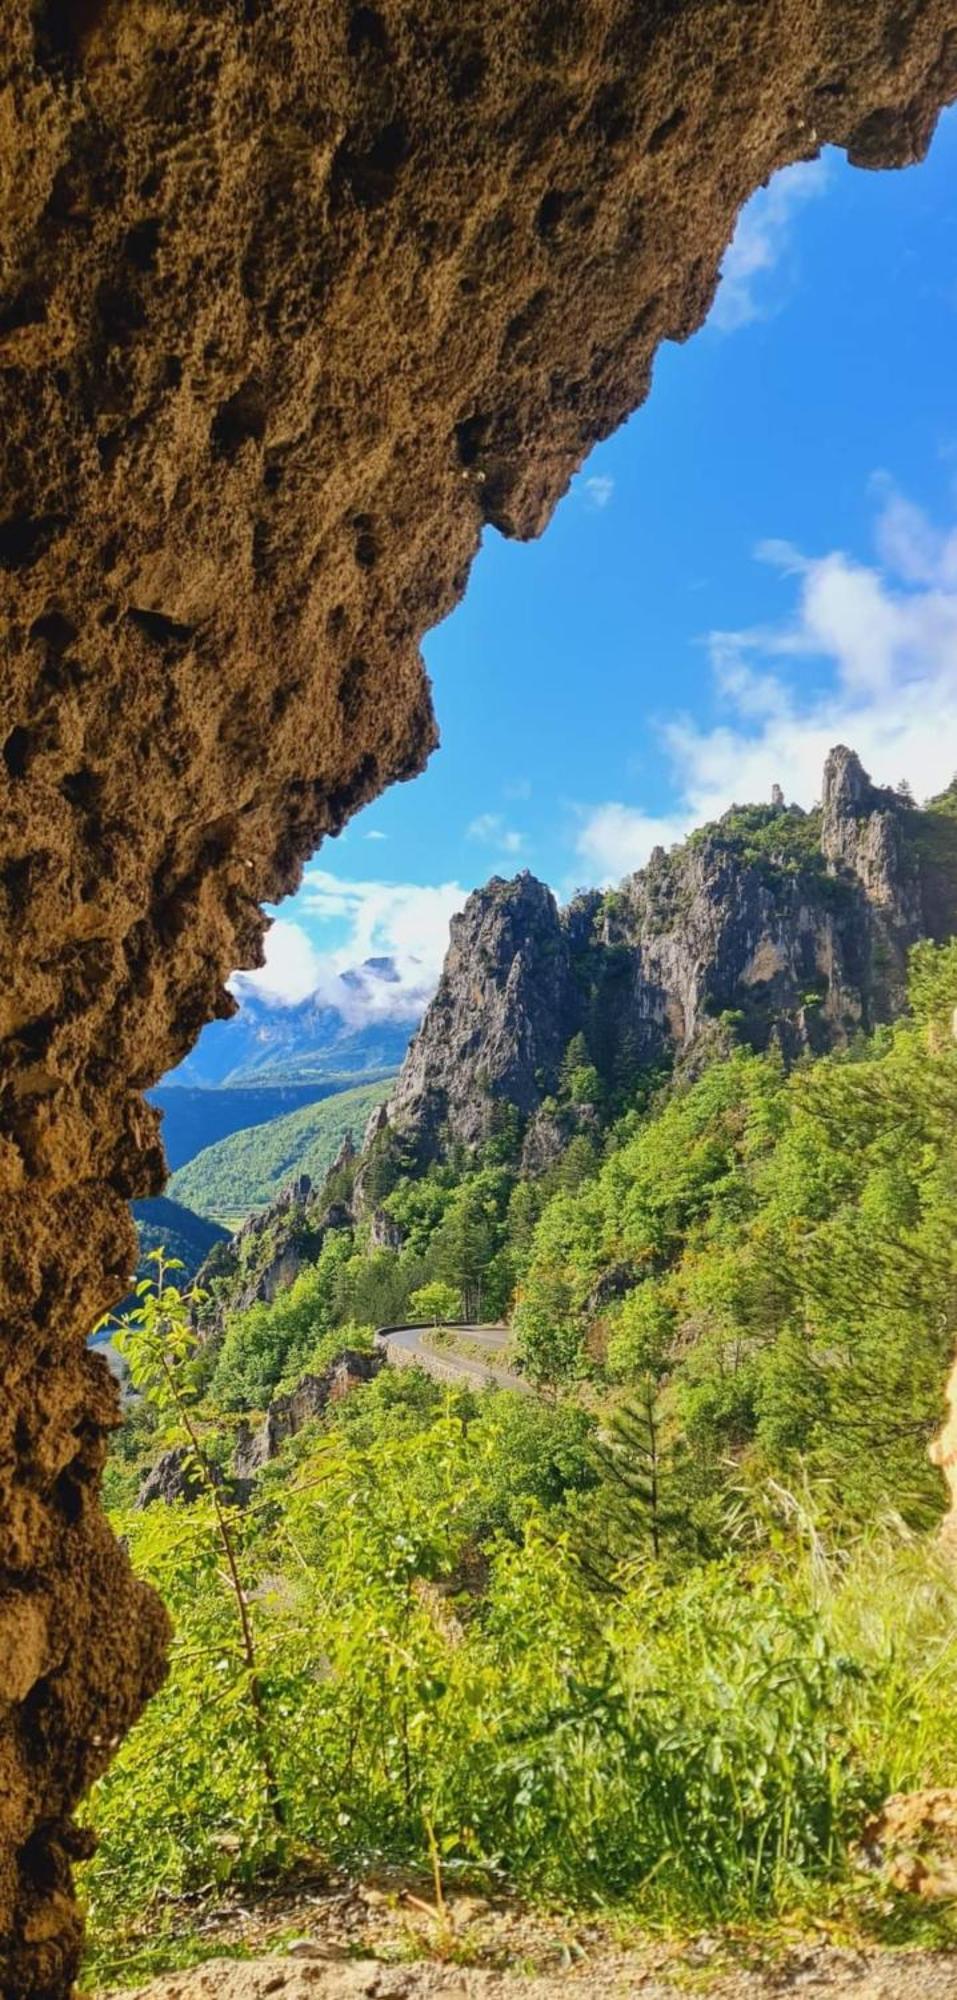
351,683
241,417
551,208
662,133
37,1860
16,752
141,245
81,789
54,631
34,1037
68,1497
15,878
369,175
273,470
366,544
120,312
467,72
611,114
366,31
108,448
27,309
60,28
24,538
158,629
470,436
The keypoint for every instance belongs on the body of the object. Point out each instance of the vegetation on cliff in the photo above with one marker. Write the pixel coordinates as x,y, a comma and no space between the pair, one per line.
246,1170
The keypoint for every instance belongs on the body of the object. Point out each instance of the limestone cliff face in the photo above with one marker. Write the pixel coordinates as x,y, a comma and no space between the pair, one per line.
296,298
500,1020
793,927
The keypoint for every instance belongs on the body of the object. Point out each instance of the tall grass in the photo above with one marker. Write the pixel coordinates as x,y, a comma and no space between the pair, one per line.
702,1747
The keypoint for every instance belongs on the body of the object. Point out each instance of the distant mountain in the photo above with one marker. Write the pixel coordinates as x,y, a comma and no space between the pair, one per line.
269,1042
247,1171
199,1117
163,1224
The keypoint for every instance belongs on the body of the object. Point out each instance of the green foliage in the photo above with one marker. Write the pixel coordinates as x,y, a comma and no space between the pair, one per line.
436,1303
702,1744
777,1251
247,1170
157,1340
779,840
663,1634
162,1224
297,1331
550,1343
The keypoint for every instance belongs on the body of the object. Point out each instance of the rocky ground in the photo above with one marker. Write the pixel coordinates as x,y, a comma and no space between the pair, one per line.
819,1975
337,1939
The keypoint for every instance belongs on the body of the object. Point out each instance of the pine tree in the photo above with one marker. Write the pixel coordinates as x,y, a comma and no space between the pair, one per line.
635,1461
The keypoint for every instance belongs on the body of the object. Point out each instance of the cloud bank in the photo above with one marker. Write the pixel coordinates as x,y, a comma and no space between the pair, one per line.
400,924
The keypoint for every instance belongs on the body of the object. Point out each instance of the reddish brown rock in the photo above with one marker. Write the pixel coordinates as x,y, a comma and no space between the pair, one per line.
295,298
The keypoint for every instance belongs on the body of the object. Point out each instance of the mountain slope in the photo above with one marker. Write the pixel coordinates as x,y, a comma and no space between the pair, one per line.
163,1224
195,1118
247,1170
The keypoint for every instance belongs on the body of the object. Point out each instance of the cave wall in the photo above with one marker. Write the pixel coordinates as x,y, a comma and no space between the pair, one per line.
296,296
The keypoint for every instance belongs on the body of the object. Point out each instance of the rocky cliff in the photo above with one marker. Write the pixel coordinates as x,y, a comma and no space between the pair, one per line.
781,926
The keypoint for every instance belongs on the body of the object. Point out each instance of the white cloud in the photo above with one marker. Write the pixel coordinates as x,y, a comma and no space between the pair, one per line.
887,633
616,839
491,829
374,834
761,244
404,924
598,490
293,967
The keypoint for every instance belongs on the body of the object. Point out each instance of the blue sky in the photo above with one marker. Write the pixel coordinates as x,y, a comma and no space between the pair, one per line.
761,562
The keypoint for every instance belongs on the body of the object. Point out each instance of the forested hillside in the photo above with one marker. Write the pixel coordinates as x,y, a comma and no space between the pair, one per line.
246,1171
196,1118
162,1223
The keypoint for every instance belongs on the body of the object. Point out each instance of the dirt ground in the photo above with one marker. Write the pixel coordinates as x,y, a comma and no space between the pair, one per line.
337,1938
822,1974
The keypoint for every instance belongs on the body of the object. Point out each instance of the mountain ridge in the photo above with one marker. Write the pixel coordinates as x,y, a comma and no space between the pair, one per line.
273,1041
772,925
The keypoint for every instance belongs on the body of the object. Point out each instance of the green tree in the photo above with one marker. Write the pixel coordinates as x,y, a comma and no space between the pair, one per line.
635,1461
157,1341
549,1336
436,1304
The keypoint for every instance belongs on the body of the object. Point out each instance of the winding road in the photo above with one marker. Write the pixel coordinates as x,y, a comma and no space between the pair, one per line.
408,1346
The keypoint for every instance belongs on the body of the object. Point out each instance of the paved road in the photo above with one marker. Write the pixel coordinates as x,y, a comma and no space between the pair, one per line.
405,1345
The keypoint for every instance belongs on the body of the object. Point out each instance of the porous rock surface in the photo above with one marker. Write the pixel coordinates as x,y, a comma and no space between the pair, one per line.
295,299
